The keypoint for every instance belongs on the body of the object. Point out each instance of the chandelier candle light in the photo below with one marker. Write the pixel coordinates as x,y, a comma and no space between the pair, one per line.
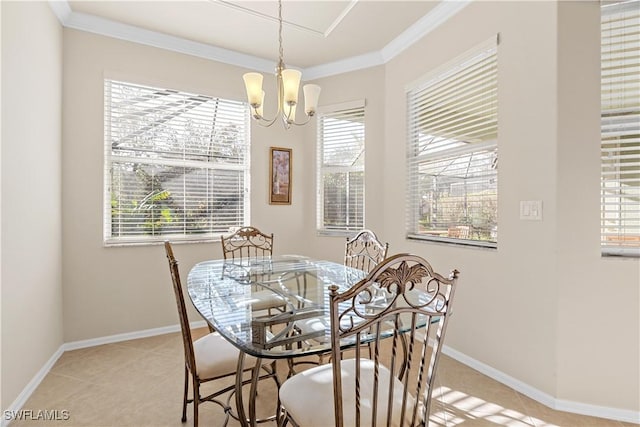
288,81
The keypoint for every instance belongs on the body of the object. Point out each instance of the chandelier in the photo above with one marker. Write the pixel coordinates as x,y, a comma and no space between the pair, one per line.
288,82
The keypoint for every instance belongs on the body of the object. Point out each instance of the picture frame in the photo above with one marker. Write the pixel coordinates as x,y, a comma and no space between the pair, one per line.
280,169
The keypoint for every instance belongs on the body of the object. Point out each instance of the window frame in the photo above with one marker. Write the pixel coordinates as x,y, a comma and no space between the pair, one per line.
451,148
332,111
111,158
619,131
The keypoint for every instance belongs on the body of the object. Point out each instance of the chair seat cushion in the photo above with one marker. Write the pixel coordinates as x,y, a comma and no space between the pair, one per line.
314,325
301,394
263,300
260,300
216,357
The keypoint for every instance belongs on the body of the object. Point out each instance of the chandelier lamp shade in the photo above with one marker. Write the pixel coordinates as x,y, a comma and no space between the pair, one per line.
288,84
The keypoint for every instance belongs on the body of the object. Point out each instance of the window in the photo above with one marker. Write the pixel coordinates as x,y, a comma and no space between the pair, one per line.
620,128
176,164
341,168
452,158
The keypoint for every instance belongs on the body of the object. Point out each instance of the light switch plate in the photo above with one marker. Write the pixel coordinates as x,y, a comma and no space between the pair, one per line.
531,210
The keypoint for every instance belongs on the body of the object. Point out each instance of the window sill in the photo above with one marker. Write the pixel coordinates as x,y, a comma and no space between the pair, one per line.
336,233
452,241
113,243
627,253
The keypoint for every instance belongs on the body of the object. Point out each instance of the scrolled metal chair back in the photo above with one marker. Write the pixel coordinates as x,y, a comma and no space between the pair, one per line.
247,243
364,251
401,309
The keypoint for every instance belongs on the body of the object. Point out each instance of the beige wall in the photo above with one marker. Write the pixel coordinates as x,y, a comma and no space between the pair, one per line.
545,308
122,289
361,85
519,339
31,208
598,298
131,284
497,320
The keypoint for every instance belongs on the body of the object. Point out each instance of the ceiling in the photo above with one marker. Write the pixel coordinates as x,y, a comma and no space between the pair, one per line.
320,37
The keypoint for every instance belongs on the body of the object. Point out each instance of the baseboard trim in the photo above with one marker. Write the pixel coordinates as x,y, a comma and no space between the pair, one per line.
22,398
110,339
542,397
526,389
26,393
597,411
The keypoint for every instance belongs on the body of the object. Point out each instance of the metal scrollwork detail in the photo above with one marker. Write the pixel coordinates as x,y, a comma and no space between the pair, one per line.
401,277
405,287
247,242
365,251
247,232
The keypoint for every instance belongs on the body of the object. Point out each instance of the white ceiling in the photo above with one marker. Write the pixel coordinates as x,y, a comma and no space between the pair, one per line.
320,37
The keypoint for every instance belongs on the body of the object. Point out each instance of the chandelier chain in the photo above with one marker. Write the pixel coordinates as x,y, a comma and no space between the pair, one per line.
281,52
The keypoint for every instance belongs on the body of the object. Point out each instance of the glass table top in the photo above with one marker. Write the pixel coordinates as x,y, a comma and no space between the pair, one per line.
270,307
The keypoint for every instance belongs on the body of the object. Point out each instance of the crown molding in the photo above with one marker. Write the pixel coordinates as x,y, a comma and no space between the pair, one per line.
429,22
342,66
97,25
61,9
110,28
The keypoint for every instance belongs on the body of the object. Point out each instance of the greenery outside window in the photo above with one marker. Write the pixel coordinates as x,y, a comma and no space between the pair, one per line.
176,164
341,147
620,128
452,153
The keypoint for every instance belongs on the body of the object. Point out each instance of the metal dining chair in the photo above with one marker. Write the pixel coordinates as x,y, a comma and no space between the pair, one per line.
364,251
208,358
246,243
394,386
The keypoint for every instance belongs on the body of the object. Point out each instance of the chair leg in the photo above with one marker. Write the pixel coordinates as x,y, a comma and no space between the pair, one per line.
282,418
184,398
196,400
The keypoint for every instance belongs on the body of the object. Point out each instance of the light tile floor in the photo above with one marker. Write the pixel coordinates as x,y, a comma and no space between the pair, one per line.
139,383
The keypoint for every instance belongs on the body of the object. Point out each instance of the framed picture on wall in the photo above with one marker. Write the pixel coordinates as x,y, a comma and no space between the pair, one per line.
280,187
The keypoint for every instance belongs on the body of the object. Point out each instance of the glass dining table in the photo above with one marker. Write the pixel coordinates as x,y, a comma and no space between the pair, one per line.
270,308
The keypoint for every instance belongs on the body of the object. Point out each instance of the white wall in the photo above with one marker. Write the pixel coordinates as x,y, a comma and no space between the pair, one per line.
31,207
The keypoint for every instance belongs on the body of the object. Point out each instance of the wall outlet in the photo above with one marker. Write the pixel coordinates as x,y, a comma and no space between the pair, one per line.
531,210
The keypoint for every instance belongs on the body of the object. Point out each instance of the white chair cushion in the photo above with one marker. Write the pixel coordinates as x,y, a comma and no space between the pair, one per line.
215,357
260,300
308,396
314,325
263,300
318,324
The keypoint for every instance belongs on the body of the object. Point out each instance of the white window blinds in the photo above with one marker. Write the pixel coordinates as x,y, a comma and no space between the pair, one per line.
620,128
176,164
452,158
341,144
